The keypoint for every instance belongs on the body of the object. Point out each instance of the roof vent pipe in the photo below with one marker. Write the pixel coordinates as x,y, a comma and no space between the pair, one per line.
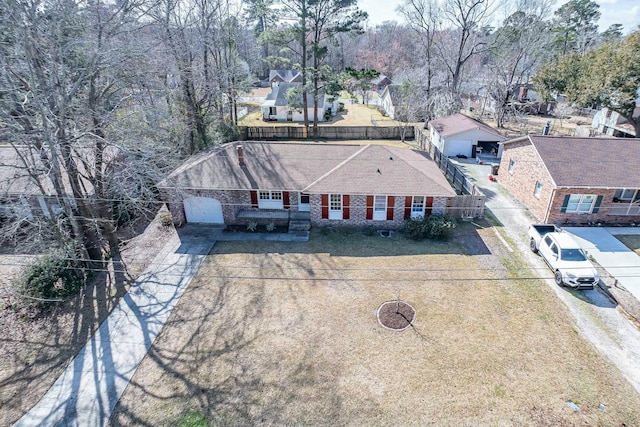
240,156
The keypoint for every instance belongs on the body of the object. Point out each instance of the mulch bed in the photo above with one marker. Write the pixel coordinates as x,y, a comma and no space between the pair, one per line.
396,315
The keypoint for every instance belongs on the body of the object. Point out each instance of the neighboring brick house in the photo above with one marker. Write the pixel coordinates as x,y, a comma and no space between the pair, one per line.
461,135
570,180
351,185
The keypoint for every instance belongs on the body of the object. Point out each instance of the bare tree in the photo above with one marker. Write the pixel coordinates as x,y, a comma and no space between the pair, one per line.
422,16
463,36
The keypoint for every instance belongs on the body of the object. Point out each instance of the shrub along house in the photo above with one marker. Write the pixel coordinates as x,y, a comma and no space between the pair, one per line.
569,180
325,184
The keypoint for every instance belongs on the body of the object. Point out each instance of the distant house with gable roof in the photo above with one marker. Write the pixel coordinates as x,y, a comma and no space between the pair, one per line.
461,135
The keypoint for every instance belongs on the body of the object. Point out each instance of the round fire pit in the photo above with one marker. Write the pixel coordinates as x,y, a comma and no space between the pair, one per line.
396,315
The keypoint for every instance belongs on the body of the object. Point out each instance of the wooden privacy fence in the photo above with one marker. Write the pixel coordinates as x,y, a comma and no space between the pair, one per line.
324,132
471,202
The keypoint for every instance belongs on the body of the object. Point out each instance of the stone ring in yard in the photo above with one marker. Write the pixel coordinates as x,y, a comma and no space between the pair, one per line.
396,315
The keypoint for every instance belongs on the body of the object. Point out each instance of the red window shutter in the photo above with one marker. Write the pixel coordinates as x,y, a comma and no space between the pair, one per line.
345,207
428,205
254,199
324,201
391,200
285,200
408,202
369,207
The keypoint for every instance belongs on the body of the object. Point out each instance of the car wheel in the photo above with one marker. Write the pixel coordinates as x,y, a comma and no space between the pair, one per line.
558,277
532,245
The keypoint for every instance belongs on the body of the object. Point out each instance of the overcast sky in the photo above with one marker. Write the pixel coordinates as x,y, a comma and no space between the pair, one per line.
625,12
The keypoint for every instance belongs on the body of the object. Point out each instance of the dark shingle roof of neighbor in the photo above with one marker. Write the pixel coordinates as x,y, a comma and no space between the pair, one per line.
379,79
458,123
590,162
279,95
314,168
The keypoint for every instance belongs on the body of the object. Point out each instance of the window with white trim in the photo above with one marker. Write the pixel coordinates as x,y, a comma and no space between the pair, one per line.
270,195
417,206
270,199
627,194
581,203
335,202
538,189
512,165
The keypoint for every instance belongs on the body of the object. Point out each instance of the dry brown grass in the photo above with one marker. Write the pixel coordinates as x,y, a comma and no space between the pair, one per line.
36,347
286,334
527,124
352,115
632,241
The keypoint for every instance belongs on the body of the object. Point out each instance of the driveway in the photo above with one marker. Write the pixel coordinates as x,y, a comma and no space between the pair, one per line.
597,318
88,390
619,261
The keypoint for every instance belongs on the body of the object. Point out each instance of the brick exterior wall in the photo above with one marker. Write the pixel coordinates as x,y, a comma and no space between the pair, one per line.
556,215
234,201
358,213
528,170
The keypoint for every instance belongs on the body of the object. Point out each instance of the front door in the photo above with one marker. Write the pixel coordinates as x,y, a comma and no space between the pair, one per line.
303,202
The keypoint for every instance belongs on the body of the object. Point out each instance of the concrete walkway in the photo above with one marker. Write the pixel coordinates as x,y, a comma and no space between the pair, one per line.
88,390
619,261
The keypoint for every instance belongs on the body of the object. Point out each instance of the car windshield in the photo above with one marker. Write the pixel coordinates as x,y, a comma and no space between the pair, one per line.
573,255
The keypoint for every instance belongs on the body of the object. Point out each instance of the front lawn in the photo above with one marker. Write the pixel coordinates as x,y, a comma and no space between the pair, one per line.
286,334
632,241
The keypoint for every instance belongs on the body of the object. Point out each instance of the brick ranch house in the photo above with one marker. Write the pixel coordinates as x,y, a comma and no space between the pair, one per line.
330,184
570,180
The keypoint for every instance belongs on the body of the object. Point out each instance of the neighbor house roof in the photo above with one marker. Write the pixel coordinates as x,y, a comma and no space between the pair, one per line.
381,78
459,123
588,162
278,96
313,168
284,75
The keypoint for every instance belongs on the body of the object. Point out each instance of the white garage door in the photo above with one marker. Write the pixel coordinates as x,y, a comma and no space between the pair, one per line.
459,146
203,209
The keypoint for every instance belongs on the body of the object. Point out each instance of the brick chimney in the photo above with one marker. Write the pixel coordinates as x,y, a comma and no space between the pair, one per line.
240,156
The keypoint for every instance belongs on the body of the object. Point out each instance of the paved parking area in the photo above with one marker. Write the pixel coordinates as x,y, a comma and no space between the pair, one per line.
619,261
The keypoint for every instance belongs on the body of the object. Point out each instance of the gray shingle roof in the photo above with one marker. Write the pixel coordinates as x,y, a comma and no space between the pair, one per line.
590,162
458,123
315,168
279,95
